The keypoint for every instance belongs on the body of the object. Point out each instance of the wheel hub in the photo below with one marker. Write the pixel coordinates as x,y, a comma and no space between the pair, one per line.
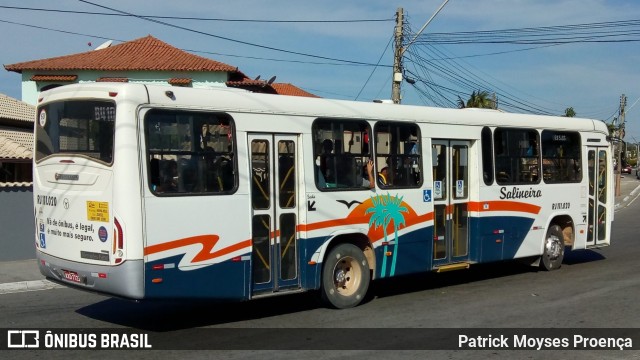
553,247
340,277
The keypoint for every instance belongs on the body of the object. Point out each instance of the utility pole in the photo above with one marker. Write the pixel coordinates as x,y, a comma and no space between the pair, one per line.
397,58
399,50
623,103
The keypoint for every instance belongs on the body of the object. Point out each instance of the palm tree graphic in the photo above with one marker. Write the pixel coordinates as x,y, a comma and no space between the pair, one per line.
386,209
395,209
379,218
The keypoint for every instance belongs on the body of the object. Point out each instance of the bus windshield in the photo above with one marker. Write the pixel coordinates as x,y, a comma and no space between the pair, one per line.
76,128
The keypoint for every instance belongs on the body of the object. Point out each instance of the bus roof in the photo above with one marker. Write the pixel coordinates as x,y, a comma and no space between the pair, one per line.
240,101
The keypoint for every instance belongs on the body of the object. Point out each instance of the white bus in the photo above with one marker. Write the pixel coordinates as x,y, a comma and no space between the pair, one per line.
151,192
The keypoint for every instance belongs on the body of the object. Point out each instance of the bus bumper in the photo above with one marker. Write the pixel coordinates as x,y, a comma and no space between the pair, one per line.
124,280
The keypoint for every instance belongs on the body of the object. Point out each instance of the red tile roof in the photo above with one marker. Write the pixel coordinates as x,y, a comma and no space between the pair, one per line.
288,89
147,53
247,82
112,79
180,81
54,77
242,81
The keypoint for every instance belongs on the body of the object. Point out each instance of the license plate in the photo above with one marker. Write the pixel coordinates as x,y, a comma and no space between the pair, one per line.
72,276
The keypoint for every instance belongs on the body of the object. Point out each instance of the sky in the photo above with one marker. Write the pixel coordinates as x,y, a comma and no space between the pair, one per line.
335,57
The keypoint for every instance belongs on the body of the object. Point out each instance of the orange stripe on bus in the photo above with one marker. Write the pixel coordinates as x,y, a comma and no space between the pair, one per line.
208,242
504,206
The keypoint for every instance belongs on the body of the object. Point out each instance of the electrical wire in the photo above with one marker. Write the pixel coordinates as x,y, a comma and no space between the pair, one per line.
448,69
195,18
227,38
375,68
430,65
563,34
193,50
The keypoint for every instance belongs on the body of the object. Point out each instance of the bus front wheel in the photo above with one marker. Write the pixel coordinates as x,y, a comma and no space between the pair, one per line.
553,252
345,276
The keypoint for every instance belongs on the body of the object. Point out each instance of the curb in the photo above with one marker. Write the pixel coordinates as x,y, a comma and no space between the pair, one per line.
24,286
633,196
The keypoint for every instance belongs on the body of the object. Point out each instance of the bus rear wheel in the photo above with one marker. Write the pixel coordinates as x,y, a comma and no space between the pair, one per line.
345,277
553,252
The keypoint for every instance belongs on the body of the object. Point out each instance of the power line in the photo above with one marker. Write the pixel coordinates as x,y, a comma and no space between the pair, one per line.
197,51
195,18
450,71
466,79
58,30
615,31
375,68
227,38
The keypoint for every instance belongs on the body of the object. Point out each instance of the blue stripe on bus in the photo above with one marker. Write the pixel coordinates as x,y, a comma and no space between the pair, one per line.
228,280
231,280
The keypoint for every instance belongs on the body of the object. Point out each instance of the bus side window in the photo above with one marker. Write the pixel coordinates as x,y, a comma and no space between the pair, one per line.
340,152
487,156
190,152
398,151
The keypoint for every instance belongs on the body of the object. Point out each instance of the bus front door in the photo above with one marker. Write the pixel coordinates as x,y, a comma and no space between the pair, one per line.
274,174
450,163
598,232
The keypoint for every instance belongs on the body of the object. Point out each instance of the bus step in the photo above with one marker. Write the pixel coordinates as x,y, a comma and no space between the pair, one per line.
452,267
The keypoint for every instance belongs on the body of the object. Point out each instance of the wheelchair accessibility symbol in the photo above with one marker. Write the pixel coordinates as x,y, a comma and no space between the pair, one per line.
426,195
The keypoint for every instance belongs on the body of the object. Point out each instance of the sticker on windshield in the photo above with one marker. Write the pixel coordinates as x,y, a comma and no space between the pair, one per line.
42,119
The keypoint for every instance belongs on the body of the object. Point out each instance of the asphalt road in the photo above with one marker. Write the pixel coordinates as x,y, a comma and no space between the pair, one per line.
593,289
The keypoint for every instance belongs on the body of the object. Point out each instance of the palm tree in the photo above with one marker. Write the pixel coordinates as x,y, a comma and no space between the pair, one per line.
379,218
478,99
612,128
394,211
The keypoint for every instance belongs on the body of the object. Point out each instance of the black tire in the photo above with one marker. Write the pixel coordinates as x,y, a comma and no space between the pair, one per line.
345,277
553,252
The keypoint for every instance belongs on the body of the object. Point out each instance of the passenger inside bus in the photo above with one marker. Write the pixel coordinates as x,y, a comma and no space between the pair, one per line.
169,176
383,175
327,163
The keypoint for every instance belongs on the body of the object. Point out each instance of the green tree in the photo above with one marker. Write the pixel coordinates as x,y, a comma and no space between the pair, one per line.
569,112
478,99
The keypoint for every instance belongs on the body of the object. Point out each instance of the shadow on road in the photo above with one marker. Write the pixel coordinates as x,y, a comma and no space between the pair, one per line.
581,256
162,316
171,315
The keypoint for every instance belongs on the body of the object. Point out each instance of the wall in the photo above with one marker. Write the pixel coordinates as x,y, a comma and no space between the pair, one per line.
16,223
200,79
